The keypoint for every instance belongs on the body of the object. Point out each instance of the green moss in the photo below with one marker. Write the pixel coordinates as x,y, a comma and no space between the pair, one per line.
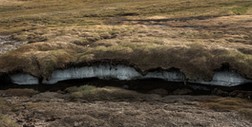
239,10
81,91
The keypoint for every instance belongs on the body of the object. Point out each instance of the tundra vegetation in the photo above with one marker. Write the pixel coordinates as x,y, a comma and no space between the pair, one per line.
110,106
195,36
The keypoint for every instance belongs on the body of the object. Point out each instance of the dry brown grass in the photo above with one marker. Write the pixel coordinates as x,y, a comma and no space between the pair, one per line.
196,36
5,121
2,103
242,106
110,106
18,92
247,113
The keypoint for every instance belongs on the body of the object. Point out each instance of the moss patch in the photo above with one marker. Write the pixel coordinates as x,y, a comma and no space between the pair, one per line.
92,93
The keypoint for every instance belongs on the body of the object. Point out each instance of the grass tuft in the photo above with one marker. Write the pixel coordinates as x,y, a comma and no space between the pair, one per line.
239,10
241,106
92,93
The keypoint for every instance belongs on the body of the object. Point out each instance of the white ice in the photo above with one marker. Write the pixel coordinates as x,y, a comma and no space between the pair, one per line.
24,79
226,78
121,72
174,76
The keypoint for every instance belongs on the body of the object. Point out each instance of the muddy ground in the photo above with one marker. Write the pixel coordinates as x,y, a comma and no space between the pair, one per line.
89,106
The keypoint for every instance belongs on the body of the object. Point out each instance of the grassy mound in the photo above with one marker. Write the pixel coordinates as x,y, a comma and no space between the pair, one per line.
194,36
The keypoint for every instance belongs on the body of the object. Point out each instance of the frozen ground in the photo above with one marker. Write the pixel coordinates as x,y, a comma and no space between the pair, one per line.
122,72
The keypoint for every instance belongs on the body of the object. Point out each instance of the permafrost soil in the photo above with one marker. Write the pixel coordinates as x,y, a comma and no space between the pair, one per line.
122,72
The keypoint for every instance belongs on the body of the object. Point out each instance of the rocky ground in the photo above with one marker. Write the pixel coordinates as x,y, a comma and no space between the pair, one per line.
89,106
